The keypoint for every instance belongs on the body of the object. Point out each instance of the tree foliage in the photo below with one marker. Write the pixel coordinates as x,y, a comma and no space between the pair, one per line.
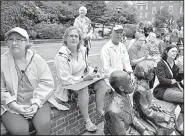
122,12
31,14
162,17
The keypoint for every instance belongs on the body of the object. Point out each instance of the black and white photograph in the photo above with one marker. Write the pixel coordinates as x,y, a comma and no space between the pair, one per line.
92,68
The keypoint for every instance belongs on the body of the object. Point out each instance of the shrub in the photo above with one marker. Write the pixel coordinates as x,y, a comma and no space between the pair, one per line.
49,31
32,34
129,29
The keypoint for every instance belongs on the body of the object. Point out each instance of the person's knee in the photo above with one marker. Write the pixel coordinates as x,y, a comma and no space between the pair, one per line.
83,92
101,85
43,127
42,120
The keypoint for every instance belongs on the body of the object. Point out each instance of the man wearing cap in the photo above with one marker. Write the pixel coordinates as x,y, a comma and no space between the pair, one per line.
119,117
84,24
26,84
114,55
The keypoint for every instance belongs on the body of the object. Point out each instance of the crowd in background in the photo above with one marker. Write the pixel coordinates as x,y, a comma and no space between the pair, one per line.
27,86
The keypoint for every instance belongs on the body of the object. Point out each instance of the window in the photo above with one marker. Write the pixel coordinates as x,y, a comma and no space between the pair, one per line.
170,9
154,2
153,10
162,1
141,7
146,7
161,7
153,19
180,10
141,15
146,14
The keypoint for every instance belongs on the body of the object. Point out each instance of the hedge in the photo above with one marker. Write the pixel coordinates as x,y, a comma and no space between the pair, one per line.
49,31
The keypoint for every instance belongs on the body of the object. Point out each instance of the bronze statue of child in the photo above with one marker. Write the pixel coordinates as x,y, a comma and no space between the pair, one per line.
120,118
146,106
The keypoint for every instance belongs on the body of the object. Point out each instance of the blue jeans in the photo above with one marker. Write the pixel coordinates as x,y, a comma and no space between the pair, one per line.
174,95
16,124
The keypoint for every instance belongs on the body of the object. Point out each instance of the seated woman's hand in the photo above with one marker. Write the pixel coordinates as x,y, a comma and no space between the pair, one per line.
89,76
21,109
31,111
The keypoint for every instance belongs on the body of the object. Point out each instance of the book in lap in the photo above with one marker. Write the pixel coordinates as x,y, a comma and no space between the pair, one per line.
82,85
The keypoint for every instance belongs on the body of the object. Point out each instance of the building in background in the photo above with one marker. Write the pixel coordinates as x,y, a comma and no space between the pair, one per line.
147,9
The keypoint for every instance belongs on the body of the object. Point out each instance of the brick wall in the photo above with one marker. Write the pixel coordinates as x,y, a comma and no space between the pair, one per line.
71,122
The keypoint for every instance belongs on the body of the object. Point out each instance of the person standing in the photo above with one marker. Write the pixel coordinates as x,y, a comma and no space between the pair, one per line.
84,24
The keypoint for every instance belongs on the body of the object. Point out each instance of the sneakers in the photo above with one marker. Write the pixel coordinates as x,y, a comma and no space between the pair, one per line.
90,127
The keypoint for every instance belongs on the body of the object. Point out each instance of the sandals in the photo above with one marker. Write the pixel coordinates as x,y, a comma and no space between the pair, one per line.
90,127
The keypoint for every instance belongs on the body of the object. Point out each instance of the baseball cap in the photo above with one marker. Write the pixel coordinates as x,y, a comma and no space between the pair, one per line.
117,27
20,31
121,78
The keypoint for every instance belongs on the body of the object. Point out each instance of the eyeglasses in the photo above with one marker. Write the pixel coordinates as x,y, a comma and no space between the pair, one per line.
75,36
16,40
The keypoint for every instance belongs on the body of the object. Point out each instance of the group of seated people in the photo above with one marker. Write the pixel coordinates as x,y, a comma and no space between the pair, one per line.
27,85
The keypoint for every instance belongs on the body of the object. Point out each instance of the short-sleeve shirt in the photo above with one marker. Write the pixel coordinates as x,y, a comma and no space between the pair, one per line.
136,53
84,24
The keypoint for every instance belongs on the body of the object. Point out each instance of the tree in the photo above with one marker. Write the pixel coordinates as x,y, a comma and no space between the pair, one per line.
120,12
95,10
163,16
